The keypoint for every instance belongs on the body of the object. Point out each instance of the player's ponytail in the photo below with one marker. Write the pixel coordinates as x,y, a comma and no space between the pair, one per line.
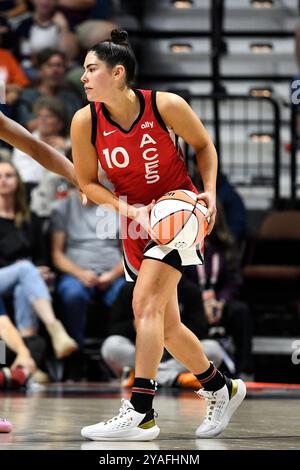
117,51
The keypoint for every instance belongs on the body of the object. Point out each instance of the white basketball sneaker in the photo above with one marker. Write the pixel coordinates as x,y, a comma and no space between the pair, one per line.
128,425
220,408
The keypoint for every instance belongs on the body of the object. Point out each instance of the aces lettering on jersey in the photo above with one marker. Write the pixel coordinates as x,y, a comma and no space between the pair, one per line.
119,158
150,156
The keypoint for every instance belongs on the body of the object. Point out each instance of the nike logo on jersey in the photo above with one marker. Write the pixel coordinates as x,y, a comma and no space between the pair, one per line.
108,133
147,124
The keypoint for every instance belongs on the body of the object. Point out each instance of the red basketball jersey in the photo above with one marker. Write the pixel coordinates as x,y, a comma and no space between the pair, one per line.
144,162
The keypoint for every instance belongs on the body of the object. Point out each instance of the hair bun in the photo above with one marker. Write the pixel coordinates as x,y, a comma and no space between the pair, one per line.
119,36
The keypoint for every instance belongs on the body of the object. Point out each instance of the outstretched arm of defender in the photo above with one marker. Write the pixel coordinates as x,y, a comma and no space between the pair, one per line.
17,136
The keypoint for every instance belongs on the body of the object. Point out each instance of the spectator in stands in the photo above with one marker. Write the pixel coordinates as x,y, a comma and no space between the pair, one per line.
52,65
118,349
26,354
85,249
51,124
45,28
13,340
10,70
90,18
92,21
77,11
233,207
46,194
11,73
7,37
93,30
19,240
219,279
23,364
14,134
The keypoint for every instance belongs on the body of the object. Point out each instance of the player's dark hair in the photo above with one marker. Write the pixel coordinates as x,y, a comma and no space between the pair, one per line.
117,51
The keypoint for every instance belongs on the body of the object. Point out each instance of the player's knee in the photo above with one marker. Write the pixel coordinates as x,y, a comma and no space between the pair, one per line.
146,307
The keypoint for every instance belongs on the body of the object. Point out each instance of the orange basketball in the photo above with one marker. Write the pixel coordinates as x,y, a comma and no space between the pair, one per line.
178,219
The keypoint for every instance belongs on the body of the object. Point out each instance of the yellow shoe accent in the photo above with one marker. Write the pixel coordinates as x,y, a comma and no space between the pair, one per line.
234,388
148,424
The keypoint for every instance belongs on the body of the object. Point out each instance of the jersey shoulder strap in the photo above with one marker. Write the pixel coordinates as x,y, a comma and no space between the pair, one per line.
94,122
156,111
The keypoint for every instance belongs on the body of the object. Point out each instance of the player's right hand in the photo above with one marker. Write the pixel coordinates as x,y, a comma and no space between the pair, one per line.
83,198
142,217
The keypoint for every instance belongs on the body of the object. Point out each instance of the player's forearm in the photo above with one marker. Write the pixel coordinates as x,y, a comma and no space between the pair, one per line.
17,136
54,161
207,162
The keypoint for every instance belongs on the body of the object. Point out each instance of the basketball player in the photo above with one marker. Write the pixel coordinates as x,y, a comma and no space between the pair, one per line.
132,134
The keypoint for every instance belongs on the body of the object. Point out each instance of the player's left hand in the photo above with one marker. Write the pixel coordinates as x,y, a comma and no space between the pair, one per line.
209,199
142,217
83,198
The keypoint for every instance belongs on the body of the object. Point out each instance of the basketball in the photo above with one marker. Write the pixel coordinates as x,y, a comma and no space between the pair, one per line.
178,220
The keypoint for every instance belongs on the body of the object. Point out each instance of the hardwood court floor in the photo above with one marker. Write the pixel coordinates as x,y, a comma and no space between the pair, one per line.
53,421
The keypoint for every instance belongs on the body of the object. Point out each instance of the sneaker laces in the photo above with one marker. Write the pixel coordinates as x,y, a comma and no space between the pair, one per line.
213,409
125,407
